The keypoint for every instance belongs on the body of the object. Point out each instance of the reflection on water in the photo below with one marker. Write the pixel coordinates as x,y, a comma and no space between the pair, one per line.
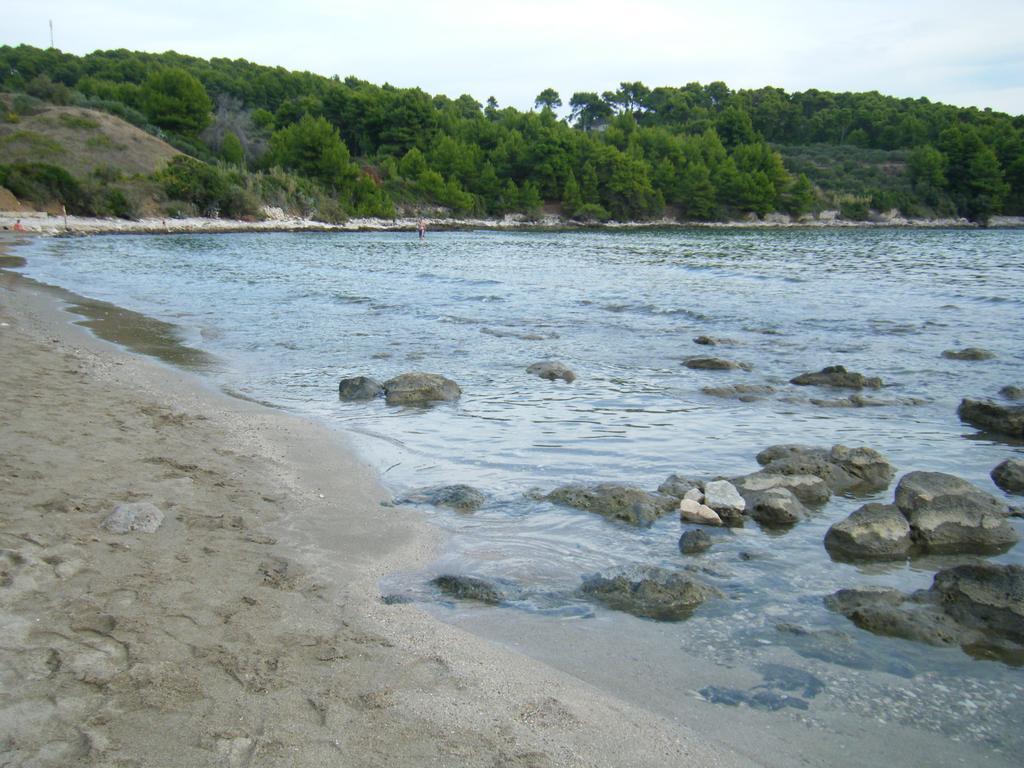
290,314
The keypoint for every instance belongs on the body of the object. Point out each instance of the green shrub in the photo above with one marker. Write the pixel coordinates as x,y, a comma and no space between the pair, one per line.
44,184
78,122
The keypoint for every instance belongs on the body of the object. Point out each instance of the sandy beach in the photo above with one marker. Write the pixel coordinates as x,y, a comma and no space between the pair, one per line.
248,629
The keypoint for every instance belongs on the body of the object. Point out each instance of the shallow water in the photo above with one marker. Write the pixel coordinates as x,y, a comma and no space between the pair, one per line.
290,314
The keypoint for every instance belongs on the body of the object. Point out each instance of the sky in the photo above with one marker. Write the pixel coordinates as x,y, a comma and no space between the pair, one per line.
962,53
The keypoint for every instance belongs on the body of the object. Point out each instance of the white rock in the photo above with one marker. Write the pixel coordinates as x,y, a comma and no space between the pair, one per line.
694,494
721,495
691,511
137,517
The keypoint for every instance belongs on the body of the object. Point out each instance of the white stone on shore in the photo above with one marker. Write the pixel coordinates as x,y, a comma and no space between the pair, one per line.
136,517
694,494
691,511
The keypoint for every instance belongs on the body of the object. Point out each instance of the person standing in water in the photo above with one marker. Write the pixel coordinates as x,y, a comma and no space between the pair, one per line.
421,227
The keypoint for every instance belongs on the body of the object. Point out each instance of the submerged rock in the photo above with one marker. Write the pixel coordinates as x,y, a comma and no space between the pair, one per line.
420,389
978,607
134,517
617,502
810,489
969,353
359,388
745,393
551,370
694,542
469,588
949,515
678,486
713,364
654,593
1012,393
837,376
844,470
873,532
991,416
462,498
755,699
1009,476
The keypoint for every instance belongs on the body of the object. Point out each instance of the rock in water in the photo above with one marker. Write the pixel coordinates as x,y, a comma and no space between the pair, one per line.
970,353
810,489
461,498
992,416
654,593
985,596
468,588
712,364
1009,476
1011,392
691,511
420,389
617,502
359,388
873,532
776,508
949,515
136,517
679,485
722,496
551,370
694,542
837,376
845,470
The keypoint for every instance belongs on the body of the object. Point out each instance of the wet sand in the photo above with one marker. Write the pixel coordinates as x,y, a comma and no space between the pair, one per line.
248,630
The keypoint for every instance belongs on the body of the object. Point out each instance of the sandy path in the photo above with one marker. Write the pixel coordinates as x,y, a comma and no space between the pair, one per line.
247,630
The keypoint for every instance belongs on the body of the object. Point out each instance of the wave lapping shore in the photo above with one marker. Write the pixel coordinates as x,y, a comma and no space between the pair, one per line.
247,629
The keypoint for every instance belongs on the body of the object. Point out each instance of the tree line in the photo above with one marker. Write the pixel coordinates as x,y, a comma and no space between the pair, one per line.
698,152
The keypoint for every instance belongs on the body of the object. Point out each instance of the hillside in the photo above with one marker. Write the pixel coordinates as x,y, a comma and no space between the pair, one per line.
253,136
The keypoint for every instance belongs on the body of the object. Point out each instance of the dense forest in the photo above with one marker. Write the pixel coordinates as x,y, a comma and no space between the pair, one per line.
330,147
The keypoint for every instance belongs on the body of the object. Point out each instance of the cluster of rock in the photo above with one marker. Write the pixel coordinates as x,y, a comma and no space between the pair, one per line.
978,607
405,389
932,513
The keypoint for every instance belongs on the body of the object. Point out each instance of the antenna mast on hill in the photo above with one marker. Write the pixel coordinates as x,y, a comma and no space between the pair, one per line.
51,33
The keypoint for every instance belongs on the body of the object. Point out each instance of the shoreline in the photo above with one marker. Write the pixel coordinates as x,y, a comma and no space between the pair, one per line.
248,629
45,224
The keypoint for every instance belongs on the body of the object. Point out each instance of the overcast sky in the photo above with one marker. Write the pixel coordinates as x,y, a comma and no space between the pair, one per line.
964,53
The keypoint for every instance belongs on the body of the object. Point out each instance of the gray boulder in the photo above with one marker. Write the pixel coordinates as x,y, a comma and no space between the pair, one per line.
359,388
1009,476
694,542
134,517
655,593
711,341
984,596
776,508
948,515
810,489
420,389
891,613
837,376
461,498
844,470
713,364
551,370
991,416
616,502
969,353
873,532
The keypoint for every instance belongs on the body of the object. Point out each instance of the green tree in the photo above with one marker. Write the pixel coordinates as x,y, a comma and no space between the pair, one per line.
313,148
987,187
587,109
548,99
174,99
231,149
927,170
572,199
589,188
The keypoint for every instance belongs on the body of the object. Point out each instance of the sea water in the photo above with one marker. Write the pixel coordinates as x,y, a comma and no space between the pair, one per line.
288,315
